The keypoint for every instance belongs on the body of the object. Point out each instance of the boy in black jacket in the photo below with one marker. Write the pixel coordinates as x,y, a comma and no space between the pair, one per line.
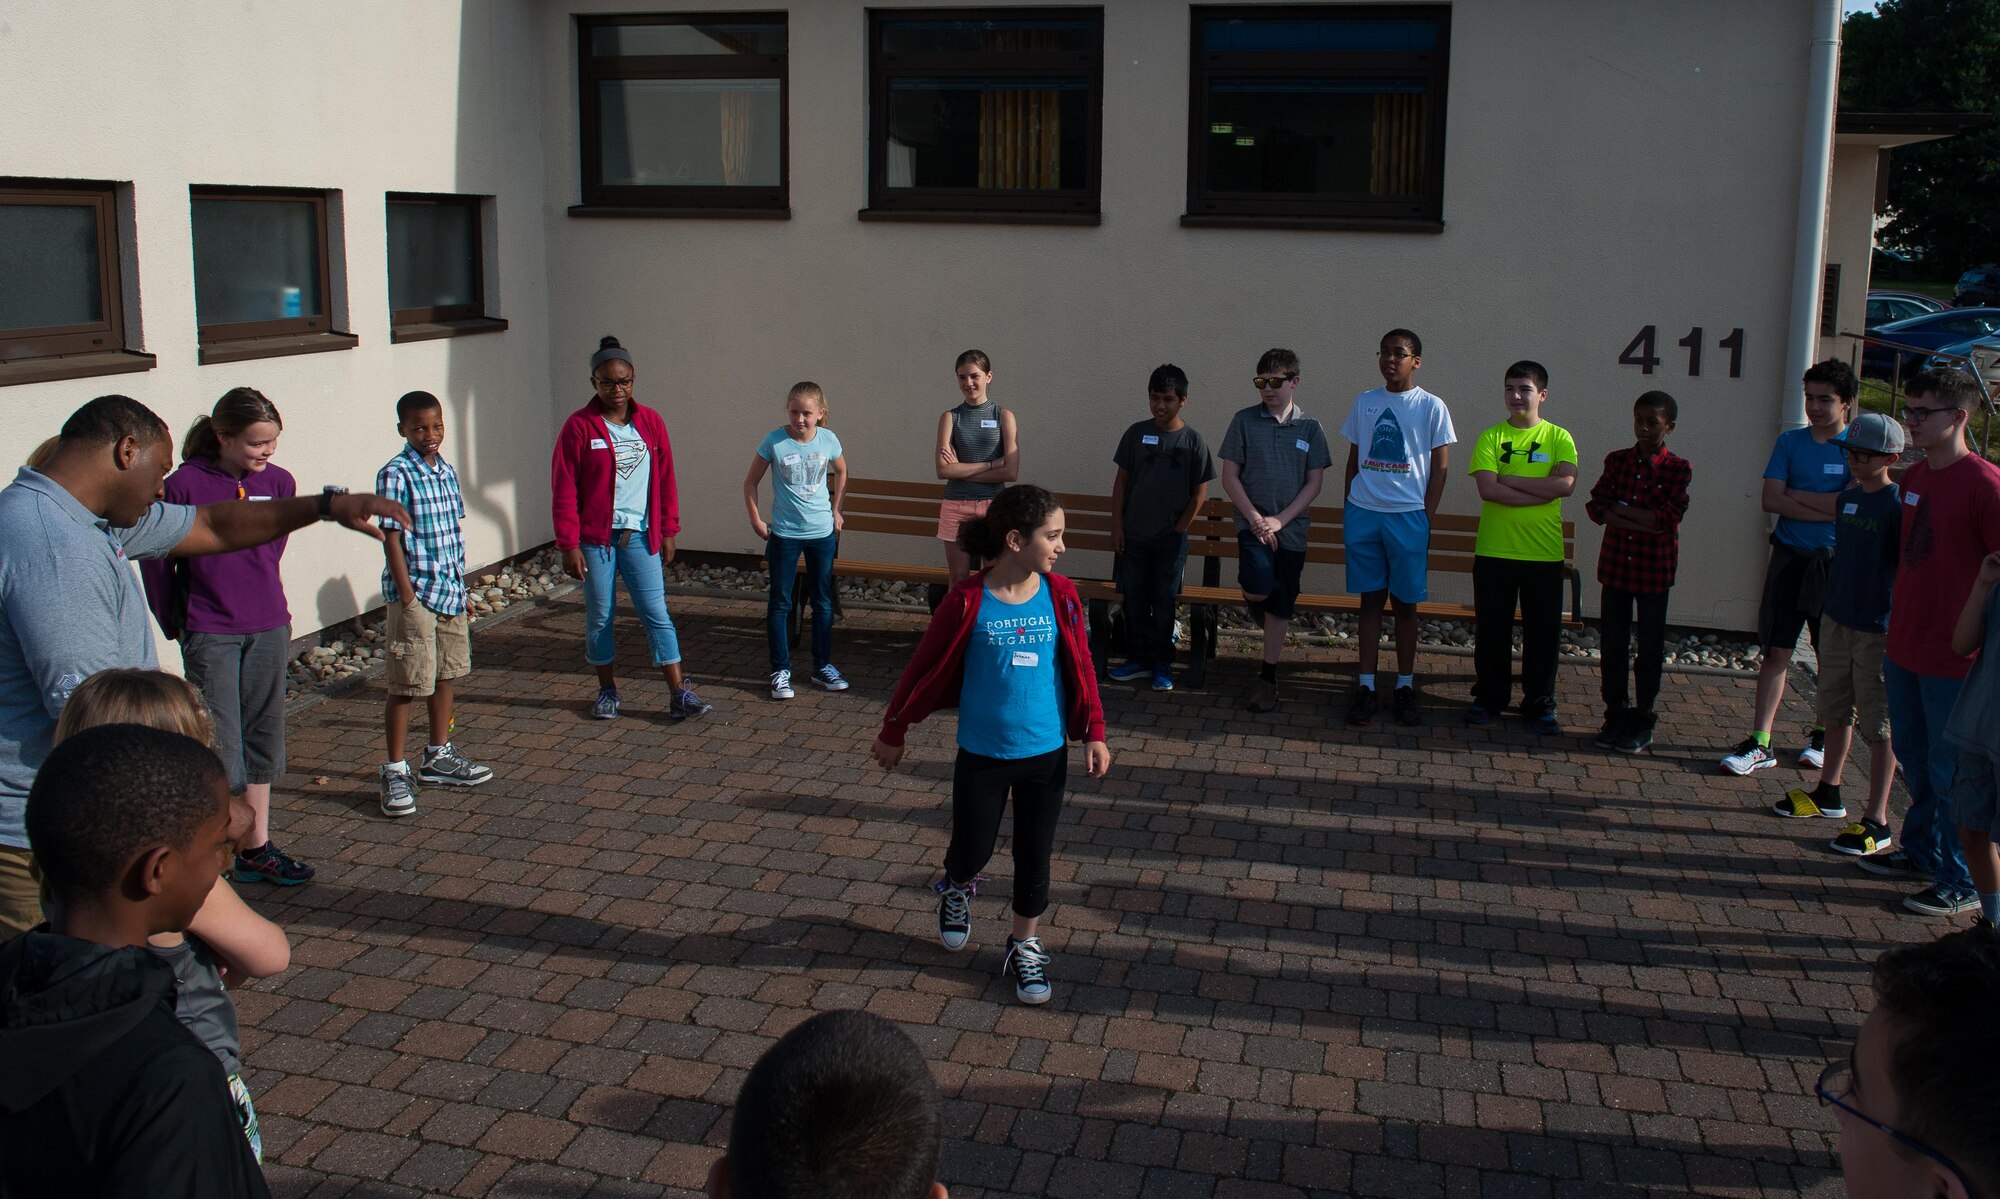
104,1092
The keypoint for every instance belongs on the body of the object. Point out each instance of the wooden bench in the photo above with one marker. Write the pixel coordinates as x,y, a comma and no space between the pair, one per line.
899,509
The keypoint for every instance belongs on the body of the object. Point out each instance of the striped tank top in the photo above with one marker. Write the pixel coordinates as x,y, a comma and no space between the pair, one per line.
975,437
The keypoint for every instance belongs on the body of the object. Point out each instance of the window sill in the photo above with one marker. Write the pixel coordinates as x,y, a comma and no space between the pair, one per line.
433,330
685,214
73,366
970,216
1337,224
275,347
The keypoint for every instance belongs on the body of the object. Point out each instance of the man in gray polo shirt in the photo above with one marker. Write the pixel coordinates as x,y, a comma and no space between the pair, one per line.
70,602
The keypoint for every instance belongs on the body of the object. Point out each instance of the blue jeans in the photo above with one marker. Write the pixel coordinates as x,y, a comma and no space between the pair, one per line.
646,580
783,555
1919,707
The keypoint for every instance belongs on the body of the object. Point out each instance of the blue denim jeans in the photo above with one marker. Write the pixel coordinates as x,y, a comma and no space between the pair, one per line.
646,580
1919,707
783,555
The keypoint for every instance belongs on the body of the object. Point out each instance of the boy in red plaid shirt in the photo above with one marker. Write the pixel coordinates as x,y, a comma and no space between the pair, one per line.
1640,500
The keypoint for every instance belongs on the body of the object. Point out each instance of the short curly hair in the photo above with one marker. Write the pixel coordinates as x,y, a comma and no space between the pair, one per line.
109,794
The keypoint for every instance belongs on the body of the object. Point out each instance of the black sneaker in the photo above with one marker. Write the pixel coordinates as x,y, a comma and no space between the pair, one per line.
1898,864
1615,724
1637,735
1361,706
1933,902
1028,964
954,913
1408,712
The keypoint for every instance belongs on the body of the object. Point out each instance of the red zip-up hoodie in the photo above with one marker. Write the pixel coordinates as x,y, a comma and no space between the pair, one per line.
583,479
936,674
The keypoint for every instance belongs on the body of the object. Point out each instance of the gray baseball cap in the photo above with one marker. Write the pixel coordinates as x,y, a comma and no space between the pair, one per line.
1874,431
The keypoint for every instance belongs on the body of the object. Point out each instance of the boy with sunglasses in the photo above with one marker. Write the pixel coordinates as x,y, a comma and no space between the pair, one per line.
1274,460
1867,534
1951,522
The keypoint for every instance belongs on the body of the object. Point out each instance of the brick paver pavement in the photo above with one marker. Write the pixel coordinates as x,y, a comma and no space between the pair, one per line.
1291,959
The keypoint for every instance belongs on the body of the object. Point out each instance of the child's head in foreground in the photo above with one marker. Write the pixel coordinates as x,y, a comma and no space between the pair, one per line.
131,827
128,695
843,1107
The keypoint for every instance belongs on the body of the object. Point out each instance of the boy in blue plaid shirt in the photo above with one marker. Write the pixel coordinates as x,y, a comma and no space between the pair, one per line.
424,585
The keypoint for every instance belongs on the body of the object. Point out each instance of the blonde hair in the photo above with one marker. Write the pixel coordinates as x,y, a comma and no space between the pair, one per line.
810,390
40,455
153,698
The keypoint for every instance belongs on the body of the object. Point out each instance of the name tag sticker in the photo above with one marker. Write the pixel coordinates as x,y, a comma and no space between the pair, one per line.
598,443
791,459
989,424
1850,509
1149,439
254,498
1911,498
1303,444
1538,457
1027,657
1833,468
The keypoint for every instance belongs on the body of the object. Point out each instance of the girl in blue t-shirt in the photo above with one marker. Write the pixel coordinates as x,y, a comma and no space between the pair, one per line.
1009,649
808,481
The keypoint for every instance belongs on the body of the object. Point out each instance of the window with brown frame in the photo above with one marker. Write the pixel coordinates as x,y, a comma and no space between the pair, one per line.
262,272
61,292
988,112
1322,114
437,284
684,113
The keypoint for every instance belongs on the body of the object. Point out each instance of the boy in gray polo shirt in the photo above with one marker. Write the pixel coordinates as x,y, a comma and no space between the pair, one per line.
1274,461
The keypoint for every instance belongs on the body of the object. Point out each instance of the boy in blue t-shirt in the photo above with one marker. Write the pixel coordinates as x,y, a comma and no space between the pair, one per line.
1867,538
1806,474
1163,472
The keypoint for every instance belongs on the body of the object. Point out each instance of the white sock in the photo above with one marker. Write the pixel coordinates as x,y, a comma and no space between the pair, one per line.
1406,680
1367,680
397,767
435,750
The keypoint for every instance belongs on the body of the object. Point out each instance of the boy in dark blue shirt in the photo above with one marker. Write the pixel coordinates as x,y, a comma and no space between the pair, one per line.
1855,609
1163,473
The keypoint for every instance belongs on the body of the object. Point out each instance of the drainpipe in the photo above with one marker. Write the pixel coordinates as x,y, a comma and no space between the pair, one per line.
1809,254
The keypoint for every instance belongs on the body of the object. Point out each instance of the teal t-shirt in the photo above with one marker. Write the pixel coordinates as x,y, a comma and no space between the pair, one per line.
1010,705
1807,465
801,504
633,462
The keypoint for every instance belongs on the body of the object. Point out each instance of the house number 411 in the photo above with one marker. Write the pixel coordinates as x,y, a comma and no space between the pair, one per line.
1642,352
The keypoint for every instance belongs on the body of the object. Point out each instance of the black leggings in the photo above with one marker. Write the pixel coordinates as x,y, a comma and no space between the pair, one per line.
979,787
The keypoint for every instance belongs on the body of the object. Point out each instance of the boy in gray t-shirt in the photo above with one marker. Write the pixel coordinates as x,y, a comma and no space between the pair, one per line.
1163,473
1974,731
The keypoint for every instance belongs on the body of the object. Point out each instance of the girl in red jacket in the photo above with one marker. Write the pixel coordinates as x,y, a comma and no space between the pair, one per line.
1009,649
616,514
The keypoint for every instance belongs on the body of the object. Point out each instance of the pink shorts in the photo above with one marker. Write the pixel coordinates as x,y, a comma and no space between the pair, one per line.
955,513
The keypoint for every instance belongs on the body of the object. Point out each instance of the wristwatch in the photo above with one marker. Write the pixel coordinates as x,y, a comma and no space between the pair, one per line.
326,495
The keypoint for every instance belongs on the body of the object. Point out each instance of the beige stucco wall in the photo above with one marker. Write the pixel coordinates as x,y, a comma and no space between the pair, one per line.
1850,241
1608,166
362,98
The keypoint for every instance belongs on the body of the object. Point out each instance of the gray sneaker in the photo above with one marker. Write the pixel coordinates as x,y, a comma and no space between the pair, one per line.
606,707
686,704
447,767
399,796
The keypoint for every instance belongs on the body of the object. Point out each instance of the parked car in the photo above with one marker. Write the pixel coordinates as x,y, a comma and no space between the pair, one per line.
1886,306
1892,264
1980,285
1984,353
1924,335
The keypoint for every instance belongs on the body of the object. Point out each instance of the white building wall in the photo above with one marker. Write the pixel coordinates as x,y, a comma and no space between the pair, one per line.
1608,167
360,98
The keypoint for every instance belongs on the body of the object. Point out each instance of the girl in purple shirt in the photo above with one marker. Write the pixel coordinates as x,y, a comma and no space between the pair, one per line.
228,613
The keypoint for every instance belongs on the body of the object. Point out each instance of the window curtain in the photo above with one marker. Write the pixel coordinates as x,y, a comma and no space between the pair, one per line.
1396,160
1020,139
735,137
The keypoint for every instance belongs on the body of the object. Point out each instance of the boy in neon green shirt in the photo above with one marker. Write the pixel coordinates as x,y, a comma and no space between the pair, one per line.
1524,466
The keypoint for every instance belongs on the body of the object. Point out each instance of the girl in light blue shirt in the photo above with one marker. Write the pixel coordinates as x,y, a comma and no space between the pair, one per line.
808,482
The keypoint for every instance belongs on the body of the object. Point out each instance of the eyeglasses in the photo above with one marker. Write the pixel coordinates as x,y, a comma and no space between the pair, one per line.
1855,451
1913,413
1836,1083
1395,355
612,384
1272,381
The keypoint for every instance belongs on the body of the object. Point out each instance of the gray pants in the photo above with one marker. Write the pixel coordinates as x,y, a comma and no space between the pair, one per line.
242,675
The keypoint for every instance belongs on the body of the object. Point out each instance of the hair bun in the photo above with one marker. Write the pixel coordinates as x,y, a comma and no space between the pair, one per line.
608,343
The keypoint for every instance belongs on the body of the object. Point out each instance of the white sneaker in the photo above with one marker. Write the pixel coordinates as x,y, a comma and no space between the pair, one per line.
1749,756
399,796
1814,754
781,684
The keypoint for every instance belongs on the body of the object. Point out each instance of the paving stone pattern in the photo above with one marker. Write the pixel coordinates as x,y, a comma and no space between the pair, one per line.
1291,959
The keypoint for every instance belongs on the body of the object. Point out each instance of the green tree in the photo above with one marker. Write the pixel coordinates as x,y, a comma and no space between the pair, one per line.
1934,56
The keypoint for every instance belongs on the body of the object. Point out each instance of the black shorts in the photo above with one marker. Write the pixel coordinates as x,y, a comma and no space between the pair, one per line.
1790,601
1272,573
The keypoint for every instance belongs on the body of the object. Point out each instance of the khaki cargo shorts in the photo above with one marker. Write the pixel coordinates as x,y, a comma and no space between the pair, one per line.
426,649
1851,691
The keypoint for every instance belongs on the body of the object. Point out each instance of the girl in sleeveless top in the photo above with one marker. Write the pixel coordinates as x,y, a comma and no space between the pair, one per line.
977,455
